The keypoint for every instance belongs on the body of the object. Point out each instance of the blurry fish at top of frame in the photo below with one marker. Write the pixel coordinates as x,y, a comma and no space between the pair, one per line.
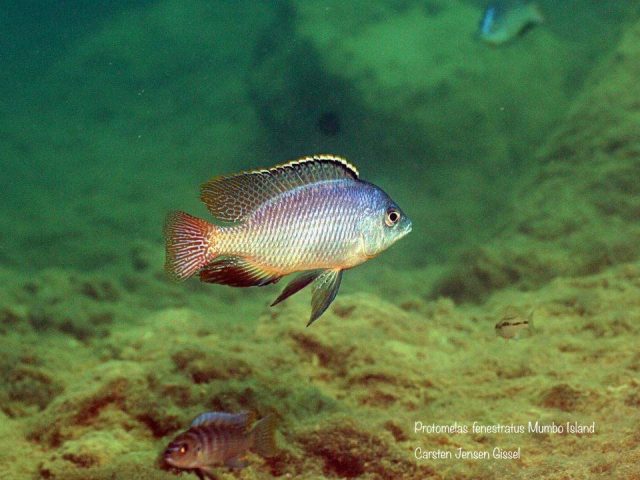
504,20
514,325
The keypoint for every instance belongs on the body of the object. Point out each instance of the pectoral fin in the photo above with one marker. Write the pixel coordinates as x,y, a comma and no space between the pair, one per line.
325,289
297,284
206,473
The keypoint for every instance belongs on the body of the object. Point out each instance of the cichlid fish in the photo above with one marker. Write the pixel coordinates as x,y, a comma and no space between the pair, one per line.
312,215
219,438
505,20
513,324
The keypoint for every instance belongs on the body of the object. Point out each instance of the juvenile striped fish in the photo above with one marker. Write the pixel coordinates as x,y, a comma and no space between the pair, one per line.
313,215
220,438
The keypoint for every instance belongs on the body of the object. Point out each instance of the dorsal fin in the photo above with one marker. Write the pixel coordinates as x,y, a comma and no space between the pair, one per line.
233,198
222,419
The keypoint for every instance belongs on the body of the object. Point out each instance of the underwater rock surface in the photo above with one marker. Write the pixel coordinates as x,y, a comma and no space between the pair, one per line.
347,391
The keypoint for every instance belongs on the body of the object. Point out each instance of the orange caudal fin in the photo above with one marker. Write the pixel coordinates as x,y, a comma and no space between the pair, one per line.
190,244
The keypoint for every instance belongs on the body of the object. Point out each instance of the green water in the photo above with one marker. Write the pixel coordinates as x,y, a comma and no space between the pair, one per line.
114,113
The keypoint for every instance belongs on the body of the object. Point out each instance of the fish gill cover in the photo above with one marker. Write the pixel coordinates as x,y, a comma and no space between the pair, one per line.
517,165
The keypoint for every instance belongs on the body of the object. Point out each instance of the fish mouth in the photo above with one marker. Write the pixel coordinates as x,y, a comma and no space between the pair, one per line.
407,229
167,457
402,233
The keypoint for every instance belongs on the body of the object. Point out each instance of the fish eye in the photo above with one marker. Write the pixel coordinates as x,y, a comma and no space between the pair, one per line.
183,449
392,217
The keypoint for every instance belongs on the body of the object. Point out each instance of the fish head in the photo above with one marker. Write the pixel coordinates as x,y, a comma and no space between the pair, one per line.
384,223
183,452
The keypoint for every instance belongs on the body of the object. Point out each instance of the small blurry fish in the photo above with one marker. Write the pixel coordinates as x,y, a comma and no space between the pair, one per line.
513,324
312,215
504,20
220,438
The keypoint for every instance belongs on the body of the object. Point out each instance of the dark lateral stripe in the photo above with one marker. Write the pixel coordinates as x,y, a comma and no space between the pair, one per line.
200,436
215,446
206,442
192,435
514,324
226,442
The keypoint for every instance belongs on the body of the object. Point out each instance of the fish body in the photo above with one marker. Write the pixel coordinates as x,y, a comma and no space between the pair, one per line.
503,21
315,226
514,325
220,438
312,215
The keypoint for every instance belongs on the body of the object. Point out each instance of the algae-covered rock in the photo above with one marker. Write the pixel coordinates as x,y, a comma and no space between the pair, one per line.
345,391
204,366
350,451
341,352
562,397
29,385
76,304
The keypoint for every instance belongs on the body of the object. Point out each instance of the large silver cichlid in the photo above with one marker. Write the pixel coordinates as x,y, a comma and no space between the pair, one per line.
313,215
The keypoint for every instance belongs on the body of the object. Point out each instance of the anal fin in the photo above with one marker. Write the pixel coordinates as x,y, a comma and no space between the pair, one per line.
237,272
325,289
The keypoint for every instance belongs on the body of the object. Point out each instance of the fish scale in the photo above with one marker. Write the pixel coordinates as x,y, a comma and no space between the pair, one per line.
312,215
312,241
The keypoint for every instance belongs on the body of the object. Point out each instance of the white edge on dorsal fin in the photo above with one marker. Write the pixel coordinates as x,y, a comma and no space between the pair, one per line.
335,158
312,158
